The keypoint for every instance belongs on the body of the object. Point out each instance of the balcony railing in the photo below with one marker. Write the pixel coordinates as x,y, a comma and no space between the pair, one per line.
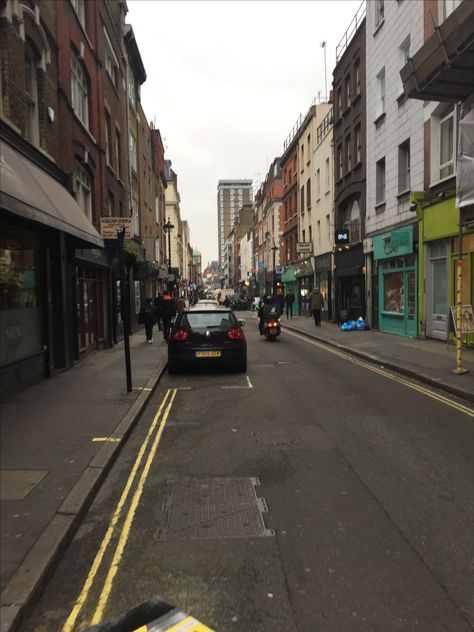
351,31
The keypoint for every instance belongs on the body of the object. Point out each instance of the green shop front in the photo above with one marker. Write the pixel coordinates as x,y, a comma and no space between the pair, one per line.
438,255
288,278
397,281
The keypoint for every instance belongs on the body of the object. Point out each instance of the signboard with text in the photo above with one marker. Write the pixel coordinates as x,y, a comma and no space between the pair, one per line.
341,237
110,226
304,247
397,243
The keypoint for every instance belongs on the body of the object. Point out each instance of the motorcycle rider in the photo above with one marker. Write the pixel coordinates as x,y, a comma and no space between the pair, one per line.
267,311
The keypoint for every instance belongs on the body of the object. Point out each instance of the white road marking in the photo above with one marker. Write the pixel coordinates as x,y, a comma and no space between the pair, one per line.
249,382
184,388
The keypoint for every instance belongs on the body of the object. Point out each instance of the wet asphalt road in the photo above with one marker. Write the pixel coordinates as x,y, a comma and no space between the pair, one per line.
368,486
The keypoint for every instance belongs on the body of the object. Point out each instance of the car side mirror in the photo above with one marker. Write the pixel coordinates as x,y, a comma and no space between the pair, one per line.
242,322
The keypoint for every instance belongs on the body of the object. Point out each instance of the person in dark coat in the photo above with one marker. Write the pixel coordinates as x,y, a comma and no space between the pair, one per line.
289,300
147,316
317,303
158,302
169,312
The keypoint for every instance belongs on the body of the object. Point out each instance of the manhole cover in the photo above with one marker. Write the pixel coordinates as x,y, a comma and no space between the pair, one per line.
276,437
213,508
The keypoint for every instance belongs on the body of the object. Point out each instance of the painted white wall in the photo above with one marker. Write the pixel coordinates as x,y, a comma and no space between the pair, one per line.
402,120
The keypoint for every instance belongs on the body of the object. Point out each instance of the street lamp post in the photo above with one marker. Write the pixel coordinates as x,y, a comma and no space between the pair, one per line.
274,248
168,227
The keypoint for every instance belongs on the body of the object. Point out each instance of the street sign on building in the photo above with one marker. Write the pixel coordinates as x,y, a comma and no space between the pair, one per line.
341,237
304,247
110,226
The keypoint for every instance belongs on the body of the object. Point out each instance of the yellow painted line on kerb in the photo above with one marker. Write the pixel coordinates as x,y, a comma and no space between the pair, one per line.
69,625
467,410
109,580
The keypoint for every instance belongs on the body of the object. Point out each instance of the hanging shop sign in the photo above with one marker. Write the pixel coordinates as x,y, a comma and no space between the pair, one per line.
397,243
304,247
110,226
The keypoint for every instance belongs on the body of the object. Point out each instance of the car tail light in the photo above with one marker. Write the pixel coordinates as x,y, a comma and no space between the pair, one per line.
236,334
179,335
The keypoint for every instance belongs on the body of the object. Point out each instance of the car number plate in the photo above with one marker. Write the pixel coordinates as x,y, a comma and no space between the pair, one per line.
208,354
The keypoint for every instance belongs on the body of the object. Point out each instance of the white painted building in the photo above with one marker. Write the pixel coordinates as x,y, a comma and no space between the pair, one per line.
394,165
246,255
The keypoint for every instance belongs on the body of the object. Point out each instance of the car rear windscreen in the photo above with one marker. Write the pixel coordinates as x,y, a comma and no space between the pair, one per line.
208,319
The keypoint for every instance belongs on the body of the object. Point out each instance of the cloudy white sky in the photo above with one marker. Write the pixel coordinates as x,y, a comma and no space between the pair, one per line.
226,82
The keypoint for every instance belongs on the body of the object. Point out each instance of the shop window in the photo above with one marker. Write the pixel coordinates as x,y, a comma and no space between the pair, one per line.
393,299
20,309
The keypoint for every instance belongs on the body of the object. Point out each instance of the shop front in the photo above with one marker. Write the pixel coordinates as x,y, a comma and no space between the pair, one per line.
323,280
397,281
290,286
40,227
350,284
304,273
438,254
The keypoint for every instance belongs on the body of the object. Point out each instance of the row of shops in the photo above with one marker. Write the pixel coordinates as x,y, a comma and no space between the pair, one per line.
60,293
402,281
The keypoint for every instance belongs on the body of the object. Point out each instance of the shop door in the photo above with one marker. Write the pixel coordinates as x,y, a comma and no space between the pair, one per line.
437,325
410,307
88,321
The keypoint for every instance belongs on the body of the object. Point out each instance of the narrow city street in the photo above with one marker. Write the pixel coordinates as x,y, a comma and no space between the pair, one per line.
365,510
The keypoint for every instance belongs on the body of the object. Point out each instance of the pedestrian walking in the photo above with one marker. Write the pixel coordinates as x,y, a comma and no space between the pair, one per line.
169,312
147,316
289,300
316,303
158,302
280,302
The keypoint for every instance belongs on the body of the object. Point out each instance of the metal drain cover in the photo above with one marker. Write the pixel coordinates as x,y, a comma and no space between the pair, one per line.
213,508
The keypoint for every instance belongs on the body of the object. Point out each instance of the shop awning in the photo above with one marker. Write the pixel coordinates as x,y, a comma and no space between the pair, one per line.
30,192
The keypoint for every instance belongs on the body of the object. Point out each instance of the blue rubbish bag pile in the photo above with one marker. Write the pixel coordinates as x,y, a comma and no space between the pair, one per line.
355,325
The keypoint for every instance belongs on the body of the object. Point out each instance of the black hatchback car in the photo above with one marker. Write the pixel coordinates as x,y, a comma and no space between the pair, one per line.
207,338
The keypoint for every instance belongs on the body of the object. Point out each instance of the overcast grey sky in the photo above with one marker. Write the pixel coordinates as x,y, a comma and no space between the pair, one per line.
226,82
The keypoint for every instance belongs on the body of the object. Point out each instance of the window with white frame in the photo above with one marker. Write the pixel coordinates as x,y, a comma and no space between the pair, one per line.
380,105
404,54
380,181
79,90
446,7
339,162
83,189
404,167
348,154
118,154
348,91
108,139
79,8
357,145
357,76
133,152
31,88
111,62
379,12
446,145
131,87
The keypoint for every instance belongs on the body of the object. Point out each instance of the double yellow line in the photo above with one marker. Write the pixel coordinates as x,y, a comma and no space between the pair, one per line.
468,410
160,421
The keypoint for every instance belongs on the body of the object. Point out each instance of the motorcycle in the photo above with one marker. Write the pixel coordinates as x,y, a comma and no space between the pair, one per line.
272,329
